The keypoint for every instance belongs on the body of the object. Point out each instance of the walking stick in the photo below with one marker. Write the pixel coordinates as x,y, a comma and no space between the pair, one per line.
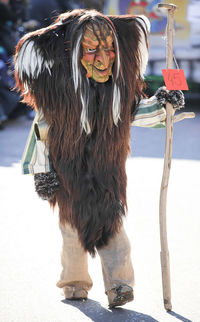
164,255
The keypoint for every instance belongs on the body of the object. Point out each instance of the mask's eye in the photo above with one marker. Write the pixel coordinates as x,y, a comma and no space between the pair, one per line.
91,51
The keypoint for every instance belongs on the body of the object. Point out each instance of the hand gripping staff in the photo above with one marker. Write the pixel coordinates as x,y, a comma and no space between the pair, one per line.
165,265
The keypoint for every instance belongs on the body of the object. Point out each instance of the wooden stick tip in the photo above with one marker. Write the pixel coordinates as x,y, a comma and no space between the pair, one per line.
167,305
168,6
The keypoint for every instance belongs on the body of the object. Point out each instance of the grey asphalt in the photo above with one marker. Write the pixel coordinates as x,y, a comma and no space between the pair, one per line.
30,241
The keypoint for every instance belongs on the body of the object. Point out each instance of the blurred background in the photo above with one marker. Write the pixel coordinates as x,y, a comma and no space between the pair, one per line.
186,44
29,257
18,17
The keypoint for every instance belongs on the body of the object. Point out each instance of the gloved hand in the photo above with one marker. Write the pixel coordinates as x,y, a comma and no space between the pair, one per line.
46,184
175,97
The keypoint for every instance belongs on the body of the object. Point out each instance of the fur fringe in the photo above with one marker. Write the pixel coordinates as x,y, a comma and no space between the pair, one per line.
46,184
176,98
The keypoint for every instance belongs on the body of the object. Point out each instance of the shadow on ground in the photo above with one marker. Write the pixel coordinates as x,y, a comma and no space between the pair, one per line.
97,313
178,316
93,310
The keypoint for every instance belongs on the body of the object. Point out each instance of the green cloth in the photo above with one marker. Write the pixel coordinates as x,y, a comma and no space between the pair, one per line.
36,154
150,114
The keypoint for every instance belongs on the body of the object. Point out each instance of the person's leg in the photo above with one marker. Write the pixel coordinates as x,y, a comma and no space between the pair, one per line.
117,270
74,279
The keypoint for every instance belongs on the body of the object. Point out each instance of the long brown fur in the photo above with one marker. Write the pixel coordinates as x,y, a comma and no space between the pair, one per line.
91,167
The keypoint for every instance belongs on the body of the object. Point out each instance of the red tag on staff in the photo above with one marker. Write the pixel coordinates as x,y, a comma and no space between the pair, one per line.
175,79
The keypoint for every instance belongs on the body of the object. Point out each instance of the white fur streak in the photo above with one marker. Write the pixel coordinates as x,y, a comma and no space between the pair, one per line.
117,51
31,62
116,107
143,50
84,116
118,58
145,22
77,79
26,88
75,68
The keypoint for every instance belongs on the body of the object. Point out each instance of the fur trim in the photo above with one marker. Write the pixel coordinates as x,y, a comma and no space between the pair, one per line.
176,98
46,184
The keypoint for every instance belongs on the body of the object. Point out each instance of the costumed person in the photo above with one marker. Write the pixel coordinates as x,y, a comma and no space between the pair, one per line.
84,76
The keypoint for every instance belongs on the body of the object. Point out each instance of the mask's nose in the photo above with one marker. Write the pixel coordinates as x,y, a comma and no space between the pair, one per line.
102,59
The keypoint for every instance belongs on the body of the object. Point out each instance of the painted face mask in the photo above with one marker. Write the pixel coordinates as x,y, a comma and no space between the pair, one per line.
98,53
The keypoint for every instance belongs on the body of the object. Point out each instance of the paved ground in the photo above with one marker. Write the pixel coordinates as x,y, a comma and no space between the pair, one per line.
30,241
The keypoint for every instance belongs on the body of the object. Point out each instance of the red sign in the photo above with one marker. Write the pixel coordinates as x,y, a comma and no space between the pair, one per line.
175,79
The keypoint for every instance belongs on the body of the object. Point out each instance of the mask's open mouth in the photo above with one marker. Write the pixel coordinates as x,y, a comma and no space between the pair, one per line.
101,71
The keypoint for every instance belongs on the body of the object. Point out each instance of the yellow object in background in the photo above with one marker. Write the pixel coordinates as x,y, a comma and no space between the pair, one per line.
112,7
182,26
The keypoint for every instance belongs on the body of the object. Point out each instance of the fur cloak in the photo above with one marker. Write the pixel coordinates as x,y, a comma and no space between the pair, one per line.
89,122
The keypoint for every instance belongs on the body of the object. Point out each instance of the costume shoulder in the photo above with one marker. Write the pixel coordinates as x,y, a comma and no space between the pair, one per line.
31,59
133,32
41,64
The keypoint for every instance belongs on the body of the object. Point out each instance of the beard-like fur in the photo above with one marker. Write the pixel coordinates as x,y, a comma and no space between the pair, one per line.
90,166
92,197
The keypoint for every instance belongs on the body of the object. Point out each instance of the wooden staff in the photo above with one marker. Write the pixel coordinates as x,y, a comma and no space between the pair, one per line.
164,254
